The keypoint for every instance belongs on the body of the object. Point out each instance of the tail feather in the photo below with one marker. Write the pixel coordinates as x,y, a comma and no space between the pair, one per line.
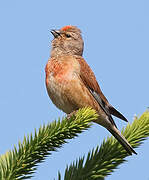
116,113
115,132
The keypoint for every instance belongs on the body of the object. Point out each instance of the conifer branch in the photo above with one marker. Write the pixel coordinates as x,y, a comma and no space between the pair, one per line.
102,161
20,164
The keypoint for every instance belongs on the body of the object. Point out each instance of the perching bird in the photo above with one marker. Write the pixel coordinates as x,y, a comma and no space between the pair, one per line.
71,84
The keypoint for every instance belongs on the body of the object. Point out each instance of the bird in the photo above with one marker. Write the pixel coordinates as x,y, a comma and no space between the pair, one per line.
71,84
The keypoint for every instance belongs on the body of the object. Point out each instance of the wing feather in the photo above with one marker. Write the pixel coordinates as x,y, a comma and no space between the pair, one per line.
89,79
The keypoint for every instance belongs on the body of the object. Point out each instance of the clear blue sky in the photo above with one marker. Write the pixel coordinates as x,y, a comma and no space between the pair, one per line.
116,35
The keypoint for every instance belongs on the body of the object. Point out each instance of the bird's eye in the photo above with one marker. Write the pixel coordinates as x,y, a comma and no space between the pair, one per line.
68,35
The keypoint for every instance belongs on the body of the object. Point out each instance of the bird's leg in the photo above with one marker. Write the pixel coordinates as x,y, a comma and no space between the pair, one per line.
71,114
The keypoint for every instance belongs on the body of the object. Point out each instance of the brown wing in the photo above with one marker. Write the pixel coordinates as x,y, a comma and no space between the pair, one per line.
91,83
89,78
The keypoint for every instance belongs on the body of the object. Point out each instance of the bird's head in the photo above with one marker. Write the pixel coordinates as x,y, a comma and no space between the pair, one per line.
67,40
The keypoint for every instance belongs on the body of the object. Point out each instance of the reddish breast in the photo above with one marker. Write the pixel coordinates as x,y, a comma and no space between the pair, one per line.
61,70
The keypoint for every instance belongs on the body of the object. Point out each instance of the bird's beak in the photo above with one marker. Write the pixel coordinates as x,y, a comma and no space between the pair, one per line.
55,33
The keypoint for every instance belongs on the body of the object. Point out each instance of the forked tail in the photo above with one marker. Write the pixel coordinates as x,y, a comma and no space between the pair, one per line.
121,139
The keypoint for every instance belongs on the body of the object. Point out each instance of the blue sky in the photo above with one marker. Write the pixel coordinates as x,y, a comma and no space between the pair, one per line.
116,35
